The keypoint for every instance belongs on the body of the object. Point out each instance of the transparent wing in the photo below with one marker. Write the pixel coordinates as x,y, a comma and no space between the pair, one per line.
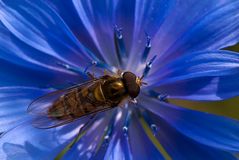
41,105
39,108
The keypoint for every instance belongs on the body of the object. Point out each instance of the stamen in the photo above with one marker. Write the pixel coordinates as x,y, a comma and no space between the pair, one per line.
146,49
109,129
148,67
93,64
109,132
126,123
107,139
119,44
106,66
81,133
150,122
70,68
159,96
154,129
163,97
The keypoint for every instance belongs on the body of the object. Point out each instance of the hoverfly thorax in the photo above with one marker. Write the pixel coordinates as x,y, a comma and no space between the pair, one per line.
114,89
117,89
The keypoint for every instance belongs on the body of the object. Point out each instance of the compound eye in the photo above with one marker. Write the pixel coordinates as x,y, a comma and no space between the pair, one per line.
133,91
131,86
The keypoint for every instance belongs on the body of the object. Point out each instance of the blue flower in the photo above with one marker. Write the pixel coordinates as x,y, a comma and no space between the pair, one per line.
174,44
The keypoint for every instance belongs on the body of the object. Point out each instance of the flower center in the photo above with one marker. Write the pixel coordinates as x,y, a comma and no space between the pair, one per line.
122,53
122,56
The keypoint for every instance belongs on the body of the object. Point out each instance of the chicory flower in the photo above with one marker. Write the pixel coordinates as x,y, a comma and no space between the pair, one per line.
175,44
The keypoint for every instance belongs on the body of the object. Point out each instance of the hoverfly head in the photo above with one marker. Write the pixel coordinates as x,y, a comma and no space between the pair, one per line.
132,84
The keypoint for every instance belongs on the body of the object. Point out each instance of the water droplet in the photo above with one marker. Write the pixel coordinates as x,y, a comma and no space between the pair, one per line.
154,129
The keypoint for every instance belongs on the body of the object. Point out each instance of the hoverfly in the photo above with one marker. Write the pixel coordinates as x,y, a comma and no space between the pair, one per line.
97,95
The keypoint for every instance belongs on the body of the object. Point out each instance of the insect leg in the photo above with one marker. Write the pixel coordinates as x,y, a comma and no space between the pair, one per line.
90,75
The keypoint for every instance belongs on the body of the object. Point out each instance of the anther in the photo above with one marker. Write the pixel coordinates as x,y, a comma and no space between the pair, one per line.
119,44
146,49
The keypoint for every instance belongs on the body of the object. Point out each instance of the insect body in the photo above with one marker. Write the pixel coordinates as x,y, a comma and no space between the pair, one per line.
94,96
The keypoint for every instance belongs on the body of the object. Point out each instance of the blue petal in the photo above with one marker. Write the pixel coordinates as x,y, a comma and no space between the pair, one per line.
34,68
197,25
140,144
40,27
210,130
17,75
158,18
91,142
181,147
94,27
104,140
68,13
117,145
148,18
27,142
130,143
13,105
99,19
199,76
98,25
15,51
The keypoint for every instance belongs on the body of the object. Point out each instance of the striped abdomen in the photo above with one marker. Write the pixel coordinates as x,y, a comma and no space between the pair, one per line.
78,102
